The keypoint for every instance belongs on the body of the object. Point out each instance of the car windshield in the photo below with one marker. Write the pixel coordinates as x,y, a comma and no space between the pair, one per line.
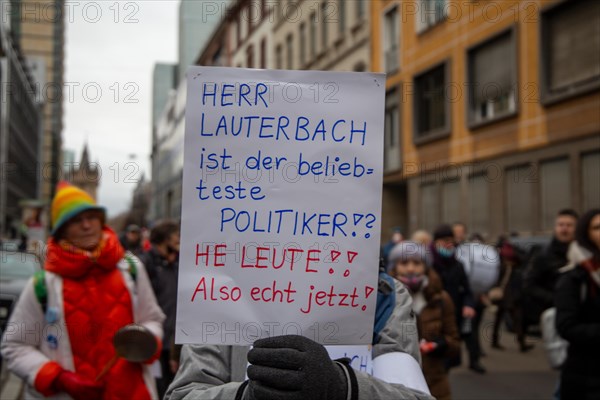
17,265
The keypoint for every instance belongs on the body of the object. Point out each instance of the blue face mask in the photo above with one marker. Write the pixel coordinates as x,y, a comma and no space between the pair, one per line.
444,252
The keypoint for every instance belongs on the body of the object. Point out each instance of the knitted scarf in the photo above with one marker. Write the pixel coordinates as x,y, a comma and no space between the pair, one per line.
71,262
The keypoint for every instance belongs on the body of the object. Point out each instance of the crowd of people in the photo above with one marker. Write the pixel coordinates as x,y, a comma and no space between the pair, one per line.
443,272
437,284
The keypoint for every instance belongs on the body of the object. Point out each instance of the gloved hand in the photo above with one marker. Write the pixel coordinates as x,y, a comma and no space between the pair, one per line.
78,387
427,347
436,347
293,367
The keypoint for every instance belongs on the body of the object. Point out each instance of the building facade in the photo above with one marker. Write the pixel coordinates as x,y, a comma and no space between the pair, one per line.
492,112
86,174
20,135
37,28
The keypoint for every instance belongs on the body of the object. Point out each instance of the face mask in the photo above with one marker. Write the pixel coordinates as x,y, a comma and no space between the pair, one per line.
413,282
444,252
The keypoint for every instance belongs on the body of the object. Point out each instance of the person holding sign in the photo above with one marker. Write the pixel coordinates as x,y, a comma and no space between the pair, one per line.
294,367
59,339
410,262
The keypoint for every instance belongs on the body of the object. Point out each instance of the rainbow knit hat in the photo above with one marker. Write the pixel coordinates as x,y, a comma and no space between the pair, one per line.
68,202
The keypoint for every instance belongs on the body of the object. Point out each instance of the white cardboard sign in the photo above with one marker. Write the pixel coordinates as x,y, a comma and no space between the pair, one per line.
281,205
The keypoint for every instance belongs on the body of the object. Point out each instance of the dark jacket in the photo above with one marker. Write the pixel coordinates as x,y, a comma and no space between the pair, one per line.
577,299
455,282
436,323
540,279
163,276
578,322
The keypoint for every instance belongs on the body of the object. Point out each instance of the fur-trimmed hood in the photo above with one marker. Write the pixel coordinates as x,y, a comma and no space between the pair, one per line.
576,255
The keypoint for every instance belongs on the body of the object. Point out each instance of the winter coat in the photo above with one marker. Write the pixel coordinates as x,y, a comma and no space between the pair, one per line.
436,323
540,280
216,372
89,297
163,276
578,321
455,283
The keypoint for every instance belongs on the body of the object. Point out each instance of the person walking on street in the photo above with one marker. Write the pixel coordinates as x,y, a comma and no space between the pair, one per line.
410,263
507,296
131,240
455,283
577,302
540,279
482,266
460,233
92,288
162,263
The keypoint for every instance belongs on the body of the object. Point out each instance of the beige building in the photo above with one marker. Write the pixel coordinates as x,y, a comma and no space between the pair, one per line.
300,35
492,112
322,35
38,29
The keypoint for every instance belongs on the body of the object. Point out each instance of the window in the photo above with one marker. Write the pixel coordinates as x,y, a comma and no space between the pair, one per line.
360,9
479,208
590,180
391,155
250,56
289,44
324,38
341,6
429,207
450,201
431,108
493,77
391,38
302,44
278,57
263,53
555,190
313,35
430,13
570,49
519,195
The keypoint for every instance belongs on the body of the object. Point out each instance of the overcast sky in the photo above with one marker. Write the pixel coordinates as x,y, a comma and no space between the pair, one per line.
112,47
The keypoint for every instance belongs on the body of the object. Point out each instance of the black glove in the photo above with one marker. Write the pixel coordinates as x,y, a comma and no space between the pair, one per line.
293,368
441,347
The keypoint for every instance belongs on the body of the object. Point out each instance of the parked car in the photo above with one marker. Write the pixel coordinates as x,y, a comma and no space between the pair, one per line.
15,270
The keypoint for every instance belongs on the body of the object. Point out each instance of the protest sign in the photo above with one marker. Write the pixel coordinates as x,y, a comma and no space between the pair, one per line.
281,205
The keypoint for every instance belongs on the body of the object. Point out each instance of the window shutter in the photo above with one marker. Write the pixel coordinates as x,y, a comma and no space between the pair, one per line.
493,69
429,207
574,44
555,190
519,193
479,220
450,201
590,171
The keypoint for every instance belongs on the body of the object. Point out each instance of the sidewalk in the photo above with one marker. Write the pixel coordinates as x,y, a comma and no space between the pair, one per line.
510,373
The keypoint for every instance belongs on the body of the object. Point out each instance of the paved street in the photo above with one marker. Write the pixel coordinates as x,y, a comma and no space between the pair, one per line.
511,374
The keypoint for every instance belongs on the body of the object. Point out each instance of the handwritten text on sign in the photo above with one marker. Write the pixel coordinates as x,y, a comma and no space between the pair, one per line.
281,205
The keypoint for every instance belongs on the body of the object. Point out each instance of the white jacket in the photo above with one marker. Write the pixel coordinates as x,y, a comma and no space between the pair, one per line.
24,345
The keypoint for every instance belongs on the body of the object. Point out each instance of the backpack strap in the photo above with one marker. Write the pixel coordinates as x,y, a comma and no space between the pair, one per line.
386,302
132,267
40,289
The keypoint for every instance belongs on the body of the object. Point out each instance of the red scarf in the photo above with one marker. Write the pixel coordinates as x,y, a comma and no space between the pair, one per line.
71,262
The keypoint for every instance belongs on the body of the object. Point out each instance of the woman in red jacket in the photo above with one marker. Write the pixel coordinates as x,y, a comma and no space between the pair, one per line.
59,337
